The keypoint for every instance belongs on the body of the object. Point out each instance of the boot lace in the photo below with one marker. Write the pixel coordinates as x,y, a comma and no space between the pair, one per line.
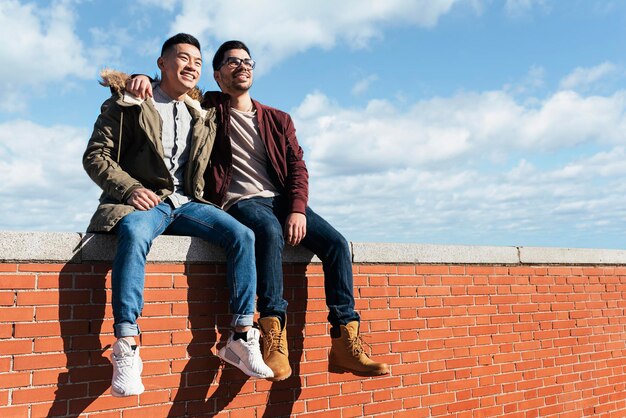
272,341
356,344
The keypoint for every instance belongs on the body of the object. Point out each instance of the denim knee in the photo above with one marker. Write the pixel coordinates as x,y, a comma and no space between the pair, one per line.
133,233
244,237
338,247
271,234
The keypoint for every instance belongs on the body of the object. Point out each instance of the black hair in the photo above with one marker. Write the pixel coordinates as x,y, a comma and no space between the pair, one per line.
180,38
225,47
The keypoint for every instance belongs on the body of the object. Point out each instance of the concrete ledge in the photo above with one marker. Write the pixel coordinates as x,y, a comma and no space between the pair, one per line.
428,253
39,246
168,248
546,255
76,247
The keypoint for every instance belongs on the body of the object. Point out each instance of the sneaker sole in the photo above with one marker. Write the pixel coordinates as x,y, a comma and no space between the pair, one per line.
241,366
279,379
121,395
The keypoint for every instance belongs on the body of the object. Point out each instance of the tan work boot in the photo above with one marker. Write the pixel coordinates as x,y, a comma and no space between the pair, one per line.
347,355
275,353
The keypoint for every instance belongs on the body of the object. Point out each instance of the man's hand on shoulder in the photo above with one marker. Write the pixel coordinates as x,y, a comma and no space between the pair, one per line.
139,86
295,228
143,199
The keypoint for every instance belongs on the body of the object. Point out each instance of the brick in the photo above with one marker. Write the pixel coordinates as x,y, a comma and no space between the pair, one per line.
147,411
163,353
163,324
48,297
406,269
411,281
380,407
92,281
55,281
16,314
40,361
6,330
437,377
165,268
43,394
433,312
49,377
7,298
5,364
17,281
158,281
14,411
432,269
434,291
112,414
372,292
353,399
13,346
52,313
54,297
376,269
48,268
156,397
14,380
101,403
165,295
46,329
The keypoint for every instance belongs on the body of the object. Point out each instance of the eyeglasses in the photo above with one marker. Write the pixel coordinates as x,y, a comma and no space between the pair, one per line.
234,62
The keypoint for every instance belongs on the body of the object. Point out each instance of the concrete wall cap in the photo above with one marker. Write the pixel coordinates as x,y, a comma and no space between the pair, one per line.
77,247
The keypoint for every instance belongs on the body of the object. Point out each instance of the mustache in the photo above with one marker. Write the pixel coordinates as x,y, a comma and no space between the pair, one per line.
243,70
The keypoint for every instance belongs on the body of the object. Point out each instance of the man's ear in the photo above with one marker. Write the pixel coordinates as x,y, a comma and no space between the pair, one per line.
216,77
160,63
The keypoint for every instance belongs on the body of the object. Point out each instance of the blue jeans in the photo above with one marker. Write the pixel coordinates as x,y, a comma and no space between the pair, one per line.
137,230
266,217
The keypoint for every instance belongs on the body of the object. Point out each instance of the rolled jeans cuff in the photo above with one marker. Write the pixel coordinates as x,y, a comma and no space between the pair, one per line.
126,329
242,321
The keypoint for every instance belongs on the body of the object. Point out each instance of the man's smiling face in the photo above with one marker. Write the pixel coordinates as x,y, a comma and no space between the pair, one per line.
181,67
232,78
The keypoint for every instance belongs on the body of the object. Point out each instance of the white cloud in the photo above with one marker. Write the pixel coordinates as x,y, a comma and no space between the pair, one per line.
43,184
168,5
39,46
443,130
363,84
278,29
532,82
475,168
583,77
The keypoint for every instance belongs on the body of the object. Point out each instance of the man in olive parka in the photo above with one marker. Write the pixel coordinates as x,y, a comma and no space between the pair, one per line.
149,158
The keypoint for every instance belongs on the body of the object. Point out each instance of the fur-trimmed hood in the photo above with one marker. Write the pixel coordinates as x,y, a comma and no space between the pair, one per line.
116,81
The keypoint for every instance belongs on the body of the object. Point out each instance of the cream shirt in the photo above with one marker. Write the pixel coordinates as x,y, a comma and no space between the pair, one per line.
250,163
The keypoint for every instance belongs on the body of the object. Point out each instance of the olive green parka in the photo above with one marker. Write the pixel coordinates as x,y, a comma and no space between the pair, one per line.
125,152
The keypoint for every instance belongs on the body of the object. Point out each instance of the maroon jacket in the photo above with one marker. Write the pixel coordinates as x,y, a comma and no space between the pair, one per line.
287,168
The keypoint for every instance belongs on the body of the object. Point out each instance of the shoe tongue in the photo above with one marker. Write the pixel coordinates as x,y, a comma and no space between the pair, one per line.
122,347
270,322
353,327
253,333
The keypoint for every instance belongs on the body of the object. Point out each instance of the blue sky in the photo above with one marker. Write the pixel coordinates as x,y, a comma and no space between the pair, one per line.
480,122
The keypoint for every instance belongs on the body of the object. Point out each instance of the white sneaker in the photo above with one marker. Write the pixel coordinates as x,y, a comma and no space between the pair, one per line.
246,355
127,367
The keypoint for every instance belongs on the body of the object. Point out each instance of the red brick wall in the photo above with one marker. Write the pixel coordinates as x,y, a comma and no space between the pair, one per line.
461,341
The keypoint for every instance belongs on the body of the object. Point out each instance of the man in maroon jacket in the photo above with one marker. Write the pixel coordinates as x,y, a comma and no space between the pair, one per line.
258,176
